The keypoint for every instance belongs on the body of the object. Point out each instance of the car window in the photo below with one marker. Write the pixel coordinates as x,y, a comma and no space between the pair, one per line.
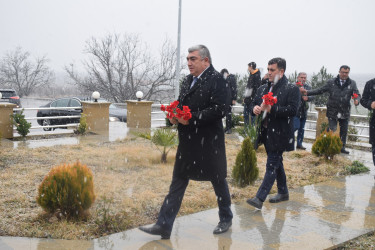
62,103
74,103
7,94
54,104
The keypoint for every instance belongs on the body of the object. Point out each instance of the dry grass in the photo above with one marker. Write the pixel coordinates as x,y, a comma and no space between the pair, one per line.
130,185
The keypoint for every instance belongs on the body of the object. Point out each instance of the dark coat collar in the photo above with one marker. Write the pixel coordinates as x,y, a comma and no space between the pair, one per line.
346,84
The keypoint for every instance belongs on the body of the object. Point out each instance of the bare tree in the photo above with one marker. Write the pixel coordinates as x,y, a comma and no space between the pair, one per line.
118,66
19,72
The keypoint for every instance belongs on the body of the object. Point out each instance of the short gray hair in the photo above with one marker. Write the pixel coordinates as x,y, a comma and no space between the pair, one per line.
202,50
301,73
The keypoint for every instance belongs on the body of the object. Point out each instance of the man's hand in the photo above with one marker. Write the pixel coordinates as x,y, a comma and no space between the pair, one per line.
265,107
182,121
373,105
305,98
173,120
356,102
303,91
257,110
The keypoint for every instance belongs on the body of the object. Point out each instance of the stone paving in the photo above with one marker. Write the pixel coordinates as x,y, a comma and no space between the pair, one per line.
317,216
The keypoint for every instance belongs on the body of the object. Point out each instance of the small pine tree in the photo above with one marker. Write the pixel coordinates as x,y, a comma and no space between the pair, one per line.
82,127
318,80
67,188
245,170
327,145
22,126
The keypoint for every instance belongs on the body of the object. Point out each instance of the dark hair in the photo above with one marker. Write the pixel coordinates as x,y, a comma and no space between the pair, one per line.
344,67
253,65
224,71
281,63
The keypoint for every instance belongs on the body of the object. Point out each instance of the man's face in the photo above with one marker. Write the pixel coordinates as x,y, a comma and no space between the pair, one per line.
274,73
249,68
196,64
302,78
344,74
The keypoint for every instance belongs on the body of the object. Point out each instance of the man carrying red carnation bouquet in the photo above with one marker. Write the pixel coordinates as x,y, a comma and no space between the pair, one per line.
201,150
279,102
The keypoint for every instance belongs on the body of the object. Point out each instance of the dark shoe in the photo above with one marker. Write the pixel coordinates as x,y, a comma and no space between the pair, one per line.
255,202
301,147
344,151
222,227
279,197
156,230
229,131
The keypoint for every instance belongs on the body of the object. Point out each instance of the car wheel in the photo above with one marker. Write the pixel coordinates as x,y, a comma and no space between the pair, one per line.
46,122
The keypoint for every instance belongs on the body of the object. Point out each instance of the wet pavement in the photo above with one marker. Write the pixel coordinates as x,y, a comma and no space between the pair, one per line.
317,216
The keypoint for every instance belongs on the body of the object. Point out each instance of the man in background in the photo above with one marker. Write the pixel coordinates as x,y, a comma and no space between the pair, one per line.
231,86
253,83
300,118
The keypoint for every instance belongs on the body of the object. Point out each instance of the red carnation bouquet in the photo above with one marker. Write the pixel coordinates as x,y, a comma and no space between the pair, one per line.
173,111
354,96
299,84
268,99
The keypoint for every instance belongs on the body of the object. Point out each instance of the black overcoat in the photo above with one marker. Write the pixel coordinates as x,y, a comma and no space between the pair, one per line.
338,105
201,150
368,97
279,133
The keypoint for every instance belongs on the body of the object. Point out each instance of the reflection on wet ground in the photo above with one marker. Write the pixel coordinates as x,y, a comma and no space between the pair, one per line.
317,216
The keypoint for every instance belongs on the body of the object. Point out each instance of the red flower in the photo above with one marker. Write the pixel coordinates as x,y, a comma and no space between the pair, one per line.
300,84
269,99
355,96
173,111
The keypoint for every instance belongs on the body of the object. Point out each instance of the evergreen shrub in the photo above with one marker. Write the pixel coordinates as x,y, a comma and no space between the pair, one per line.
356,168
22,126
245,170
327,145
82,127
68,189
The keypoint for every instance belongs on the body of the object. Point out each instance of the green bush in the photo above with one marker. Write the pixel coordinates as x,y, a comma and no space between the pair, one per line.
356,168
245,170
353,131
327,145
82,127
22,126
236,119
68,189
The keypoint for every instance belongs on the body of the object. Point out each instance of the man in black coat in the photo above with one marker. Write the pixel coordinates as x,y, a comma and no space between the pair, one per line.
253,83
277,130
300,118
341,90
368,101
201,150
231,87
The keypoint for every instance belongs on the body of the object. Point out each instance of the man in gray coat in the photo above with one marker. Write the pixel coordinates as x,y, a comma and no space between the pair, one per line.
341,90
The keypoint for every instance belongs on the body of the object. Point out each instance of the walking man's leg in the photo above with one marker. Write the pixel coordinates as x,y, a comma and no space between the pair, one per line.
224,203
343,133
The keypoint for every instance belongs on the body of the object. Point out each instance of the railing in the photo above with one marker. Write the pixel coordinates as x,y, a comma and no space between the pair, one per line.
52,117
238,109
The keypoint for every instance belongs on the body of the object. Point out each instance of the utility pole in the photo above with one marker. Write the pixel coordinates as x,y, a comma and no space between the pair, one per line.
177,77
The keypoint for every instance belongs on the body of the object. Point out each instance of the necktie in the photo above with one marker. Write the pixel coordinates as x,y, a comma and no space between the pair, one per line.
194,81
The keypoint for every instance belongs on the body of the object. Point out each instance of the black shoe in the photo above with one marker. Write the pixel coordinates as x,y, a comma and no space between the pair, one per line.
344,151
301,147
255,202
222,227
229,131
279,197
156,230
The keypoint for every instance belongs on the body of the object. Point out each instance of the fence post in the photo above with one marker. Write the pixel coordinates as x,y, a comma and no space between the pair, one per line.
139,114
97,116
6,121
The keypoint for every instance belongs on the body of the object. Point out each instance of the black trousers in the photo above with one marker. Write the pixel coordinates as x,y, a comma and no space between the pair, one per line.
228,118
173,200
332,124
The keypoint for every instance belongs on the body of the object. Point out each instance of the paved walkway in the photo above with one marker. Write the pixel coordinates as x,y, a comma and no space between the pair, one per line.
317,216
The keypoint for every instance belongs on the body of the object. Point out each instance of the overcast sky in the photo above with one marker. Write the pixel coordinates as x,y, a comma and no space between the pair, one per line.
307,33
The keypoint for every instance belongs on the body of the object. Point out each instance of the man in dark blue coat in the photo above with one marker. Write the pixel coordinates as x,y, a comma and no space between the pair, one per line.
231,87
201,150
277,130
368,101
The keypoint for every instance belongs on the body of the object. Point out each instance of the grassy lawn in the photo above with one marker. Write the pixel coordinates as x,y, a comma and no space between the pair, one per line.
130,185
